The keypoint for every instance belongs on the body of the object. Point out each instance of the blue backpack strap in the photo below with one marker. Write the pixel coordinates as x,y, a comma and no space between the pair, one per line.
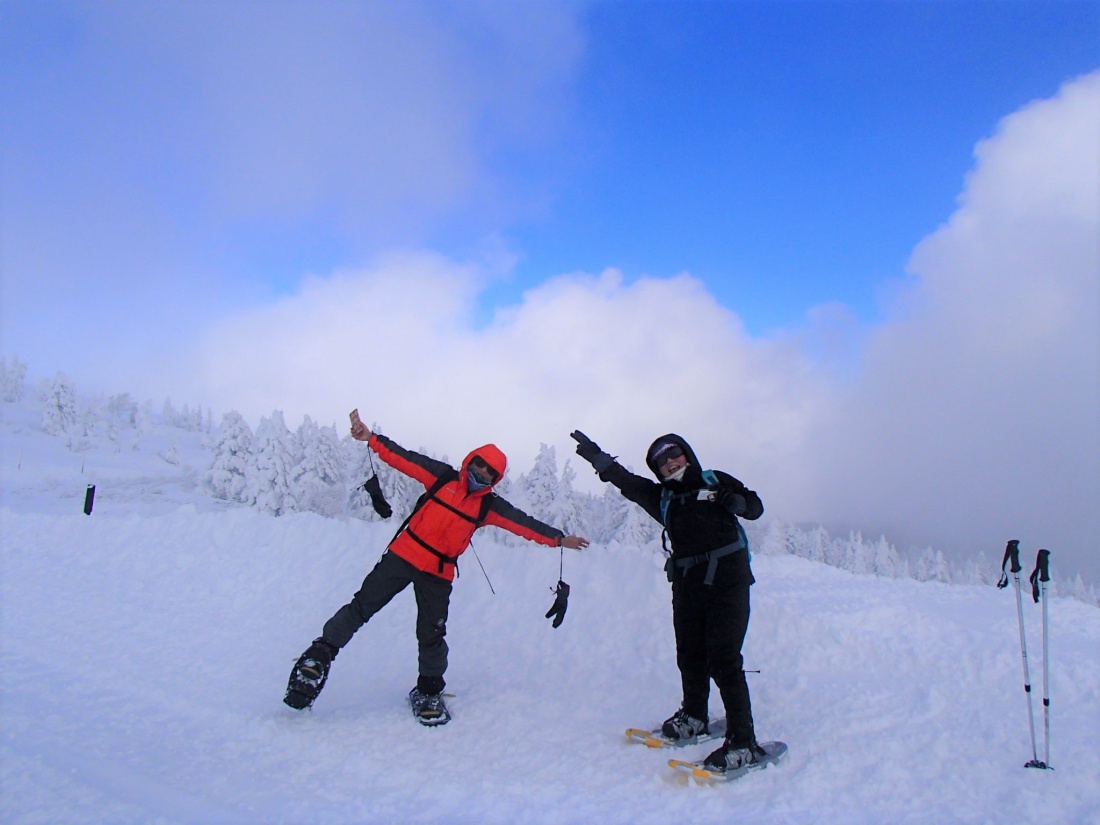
710,479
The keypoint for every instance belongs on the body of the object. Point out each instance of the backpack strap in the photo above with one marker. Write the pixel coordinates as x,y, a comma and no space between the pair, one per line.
710,481
430,495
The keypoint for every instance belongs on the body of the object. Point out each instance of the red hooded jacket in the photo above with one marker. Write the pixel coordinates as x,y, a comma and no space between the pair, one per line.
440,531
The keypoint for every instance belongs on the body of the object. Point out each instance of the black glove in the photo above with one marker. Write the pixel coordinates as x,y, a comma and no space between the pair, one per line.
590,451
561,604
730,501
374,490
586,447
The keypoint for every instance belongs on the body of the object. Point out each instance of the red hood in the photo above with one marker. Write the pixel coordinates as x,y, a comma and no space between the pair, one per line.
491,455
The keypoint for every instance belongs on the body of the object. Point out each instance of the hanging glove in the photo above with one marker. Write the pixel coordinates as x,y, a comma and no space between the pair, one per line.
561,604
377,500
730,501
590,451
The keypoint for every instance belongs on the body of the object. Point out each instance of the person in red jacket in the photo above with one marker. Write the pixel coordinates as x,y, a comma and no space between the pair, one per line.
424,553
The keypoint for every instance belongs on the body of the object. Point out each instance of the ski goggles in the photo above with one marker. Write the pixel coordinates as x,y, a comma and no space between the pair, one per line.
483,470
666,455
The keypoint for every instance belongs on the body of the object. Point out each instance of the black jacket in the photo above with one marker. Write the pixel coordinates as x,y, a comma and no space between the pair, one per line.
695,525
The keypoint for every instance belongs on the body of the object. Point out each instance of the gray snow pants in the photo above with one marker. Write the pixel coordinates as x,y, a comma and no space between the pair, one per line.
389,577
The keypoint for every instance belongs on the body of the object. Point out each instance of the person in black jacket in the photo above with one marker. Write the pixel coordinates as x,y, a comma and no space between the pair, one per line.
708,566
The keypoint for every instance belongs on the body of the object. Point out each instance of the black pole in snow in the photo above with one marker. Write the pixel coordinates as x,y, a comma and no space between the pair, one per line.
89,499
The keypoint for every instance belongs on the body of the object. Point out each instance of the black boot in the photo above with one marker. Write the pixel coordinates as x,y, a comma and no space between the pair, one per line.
310,673
429,708
733,755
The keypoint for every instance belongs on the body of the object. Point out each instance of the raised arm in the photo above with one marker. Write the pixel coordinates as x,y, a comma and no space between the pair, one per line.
642,491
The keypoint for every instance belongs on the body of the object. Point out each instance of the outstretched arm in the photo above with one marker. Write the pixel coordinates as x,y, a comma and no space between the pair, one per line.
420,467
643,492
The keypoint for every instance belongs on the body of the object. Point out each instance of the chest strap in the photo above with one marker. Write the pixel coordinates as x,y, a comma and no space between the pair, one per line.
711,558
443,557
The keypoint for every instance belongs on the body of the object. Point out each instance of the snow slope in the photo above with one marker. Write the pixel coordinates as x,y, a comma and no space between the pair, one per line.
146,648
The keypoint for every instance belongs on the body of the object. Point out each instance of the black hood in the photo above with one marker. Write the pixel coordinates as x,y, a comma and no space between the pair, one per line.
692,478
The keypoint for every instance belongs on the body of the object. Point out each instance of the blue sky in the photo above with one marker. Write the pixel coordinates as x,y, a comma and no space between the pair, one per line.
794,232
788,154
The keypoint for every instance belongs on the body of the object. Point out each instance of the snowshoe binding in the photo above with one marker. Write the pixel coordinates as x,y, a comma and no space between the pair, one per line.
730,757
429,708
309,674
732,761
682,726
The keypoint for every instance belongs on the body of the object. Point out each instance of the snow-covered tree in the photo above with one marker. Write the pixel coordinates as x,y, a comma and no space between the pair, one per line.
541,485
61,415
172,454
565,511
226,476
168,413
629,524
887,563
319,476
931,567
12,379
269,479
122,410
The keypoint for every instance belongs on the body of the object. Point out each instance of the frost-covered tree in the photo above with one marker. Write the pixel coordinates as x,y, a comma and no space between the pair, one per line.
226,477
168,413
887,563
565,511
633,526
931,567
269,480
855,556
144,420
541,485
172,454
319,476
61,415
13,379
122,410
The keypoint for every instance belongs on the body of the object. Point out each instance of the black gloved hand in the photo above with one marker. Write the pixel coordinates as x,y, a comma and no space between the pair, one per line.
561,604
730,501
377,500
590,451
586,447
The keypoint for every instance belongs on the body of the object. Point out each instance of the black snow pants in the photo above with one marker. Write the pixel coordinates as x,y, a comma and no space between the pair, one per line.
389,577
710,623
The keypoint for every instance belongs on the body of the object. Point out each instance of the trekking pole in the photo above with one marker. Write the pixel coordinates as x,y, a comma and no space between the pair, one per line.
482,566
1039,580
1012,556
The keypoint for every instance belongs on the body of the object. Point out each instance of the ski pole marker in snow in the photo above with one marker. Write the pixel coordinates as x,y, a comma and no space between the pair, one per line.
1039,579
1011,562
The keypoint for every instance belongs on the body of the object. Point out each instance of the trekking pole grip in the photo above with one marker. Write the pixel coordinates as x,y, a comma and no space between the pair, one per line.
1012,557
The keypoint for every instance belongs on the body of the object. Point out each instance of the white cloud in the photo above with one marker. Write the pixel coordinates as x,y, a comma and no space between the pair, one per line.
969,417
623,362
160,157
975,417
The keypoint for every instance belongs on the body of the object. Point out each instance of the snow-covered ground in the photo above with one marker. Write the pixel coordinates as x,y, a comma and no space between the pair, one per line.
145,650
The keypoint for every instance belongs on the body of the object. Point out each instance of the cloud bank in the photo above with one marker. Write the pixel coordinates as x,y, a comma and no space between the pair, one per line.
975,417
970,415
